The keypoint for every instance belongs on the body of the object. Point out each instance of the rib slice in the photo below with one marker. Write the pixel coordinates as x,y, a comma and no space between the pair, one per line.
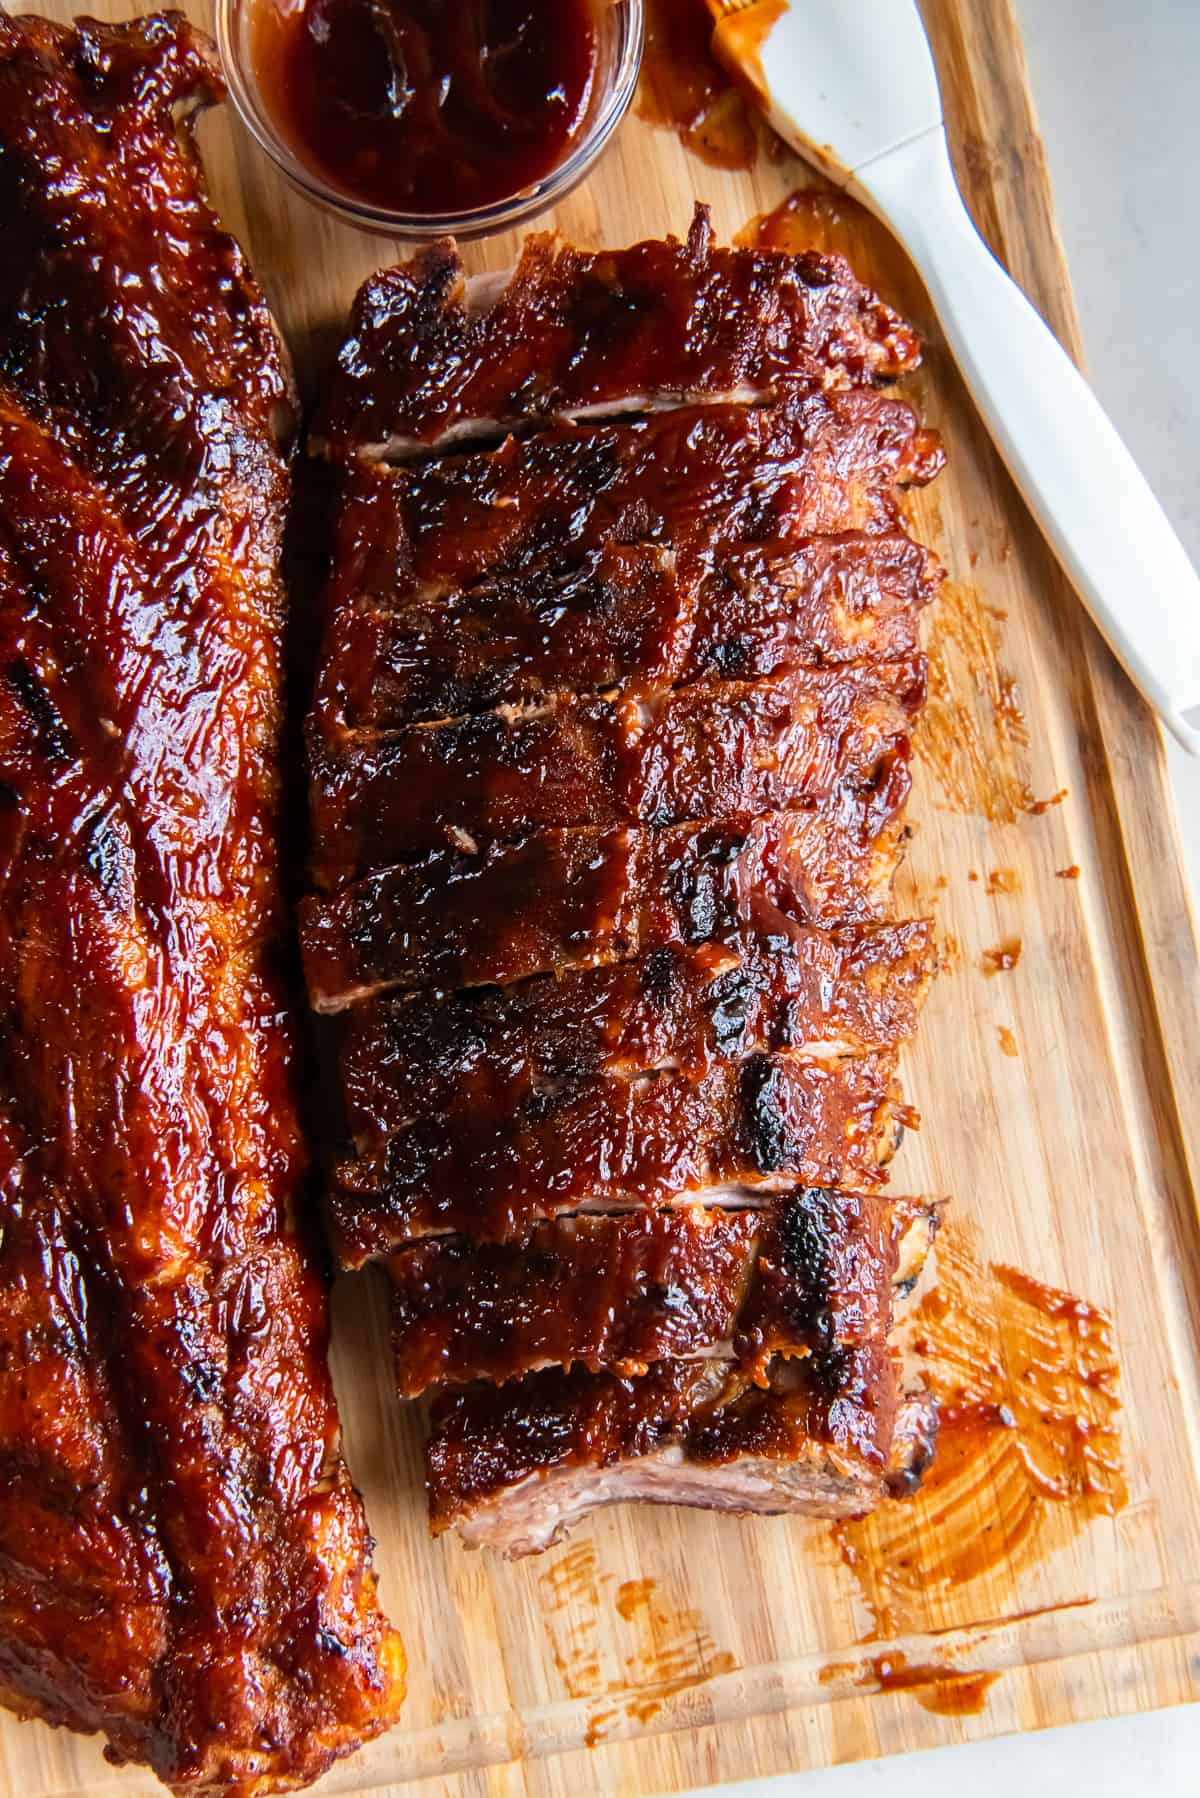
516,1466
581,898
601,1141
721,747
184,1563
809,1272
428,362
700,483
629,614
493,1053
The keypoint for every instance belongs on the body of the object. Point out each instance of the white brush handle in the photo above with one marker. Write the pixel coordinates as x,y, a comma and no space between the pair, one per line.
1075,474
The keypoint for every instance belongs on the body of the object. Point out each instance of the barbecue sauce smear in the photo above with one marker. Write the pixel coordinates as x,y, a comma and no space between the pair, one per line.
684,88
428,106
1028,1447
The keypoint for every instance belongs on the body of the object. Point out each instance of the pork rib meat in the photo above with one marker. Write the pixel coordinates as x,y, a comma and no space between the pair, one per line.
609,756
184,1563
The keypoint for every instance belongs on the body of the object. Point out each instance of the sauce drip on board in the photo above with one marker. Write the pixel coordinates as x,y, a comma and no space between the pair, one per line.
937,1688
1002,959
428,106
664,1648
684,88
973,735
1028,1447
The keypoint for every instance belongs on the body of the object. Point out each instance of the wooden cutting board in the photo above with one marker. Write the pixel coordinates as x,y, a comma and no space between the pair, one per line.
1061,1104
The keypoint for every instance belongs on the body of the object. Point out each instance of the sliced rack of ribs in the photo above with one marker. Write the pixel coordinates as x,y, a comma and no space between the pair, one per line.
713,542
632,613
682,1009
688,1068
184,1563
699,480
768,1121
734,1359
609,758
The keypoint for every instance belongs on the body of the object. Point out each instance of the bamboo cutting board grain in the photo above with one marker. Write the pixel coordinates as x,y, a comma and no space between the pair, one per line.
1061,1104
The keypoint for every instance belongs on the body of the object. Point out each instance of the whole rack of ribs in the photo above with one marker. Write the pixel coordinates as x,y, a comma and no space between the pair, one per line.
609,759
184,1564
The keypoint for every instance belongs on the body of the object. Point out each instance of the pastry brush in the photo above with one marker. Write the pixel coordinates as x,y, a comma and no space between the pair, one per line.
851,85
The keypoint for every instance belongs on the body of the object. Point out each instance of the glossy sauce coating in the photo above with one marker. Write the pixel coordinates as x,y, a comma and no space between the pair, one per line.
702,752
603,1141
809,1272
632,615
697,480
580,898
602,330
429,106
184,1563
681,1009
711,540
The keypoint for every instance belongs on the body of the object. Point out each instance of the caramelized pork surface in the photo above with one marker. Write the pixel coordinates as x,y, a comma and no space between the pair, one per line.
184,1563
630,615
686,1068
715,749
601,1140
804,1273
687,1010
720,542
700,481
567,899
428,362
514,1467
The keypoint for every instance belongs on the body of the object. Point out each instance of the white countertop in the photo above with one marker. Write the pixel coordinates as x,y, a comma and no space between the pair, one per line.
1118,92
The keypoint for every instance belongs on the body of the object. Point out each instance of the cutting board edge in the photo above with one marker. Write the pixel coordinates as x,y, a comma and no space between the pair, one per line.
1124,736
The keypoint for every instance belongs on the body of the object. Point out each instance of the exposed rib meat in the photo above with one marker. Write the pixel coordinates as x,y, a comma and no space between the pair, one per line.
183,1561
629,614
514,1467
810,1272
704,751
495,1052
601,1140
573,331
579,898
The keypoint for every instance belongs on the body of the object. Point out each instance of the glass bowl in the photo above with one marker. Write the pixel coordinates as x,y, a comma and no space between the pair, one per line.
622,27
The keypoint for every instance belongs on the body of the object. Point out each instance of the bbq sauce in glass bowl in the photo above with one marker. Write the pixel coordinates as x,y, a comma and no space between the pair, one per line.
428,106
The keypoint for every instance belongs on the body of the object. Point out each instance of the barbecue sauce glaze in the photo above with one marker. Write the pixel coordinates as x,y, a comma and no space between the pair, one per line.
429,106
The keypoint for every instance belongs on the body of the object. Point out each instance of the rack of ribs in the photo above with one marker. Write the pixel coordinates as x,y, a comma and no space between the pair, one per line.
609,759
184,1563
